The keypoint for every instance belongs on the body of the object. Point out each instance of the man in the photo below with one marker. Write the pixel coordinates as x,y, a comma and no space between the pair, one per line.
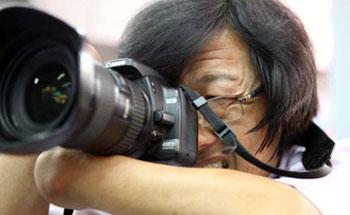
253,62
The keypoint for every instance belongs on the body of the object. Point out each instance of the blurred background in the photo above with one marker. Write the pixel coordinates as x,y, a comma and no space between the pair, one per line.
326,21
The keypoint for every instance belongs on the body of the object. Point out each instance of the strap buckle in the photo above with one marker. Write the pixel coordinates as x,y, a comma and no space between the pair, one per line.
229,140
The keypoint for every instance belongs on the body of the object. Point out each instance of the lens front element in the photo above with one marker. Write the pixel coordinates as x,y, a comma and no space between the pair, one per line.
48,93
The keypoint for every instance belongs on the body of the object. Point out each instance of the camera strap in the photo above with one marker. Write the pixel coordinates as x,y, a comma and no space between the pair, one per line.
232,144
67,211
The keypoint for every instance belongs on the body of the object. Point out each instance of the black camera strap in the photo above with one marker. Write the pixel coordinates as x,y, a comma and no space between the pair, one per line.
232,144
67,211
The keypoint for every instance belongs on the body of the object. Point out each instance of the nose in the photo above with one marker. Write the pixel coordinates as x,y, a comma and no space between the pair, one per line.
206,139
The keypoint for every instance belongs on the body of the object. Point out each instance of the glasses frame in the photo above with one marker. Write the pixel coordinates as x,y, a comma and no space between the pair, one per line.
240,99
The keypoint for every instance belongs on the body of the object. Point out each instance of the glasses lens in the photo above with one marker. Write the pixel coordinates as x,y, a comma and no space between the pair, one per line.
227,109
233,113
48,93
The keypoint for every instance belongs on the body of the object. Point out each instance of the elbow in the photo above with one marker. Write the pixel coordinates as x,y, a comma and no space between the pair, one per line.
298,204
306,207
51,188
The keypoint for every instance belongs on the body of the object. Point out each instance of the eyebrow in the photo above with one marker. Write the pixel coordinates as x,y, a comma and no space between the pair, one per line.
208,78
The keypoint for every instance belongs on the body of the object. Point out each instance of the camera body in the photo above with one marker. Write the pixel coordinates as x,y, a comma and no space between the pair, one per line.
53,92
172,128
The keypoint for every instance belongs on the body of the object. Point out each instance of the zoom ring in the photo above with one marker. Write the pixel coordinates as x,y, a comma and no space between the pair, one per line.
128,143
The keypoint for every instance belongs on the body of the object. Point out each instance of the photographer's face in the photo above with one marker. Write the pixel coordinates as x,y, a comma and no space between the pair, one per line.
223,67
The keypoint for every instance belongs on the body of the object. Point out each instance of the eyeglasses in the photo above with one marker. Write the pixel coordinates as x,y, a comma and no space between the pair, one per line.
229,108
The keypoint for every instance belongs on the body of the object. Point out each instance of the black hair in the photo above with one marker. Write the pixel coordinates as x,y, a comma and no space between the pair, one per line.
166,34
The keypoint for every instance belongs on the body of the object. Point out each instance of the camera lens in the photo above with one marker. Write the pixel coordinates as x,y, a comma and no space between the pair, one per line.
48,93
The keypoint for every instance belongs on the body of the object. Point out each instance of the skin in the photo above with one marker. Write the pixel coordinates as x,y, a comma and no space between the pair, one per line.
128,186
18,191
122,185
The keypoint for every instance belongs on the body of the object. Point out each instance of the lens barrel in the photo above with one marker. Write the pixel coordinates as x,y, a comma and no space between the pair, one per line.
53,92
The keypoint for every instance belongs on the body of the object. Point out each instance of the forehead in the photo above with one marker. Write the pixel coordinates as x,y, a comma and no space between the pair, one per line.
224,60
226,40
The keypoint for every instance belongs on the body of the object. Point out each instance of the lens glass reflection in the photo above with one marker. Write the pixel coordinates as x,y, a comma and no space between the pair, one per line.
48,93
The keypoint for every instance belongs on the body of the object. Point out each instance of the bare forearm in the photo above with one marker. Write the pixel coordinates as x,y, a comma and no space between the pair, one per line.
121,185
18,191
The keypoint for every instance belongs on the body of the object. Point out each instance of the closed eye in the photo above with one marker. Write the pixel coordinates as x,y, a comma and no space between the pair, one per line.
222,97
209,97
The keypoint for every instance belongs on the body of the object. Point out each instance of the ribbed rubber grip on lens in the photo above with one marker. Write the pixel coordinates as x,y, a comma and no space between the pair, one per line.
138,112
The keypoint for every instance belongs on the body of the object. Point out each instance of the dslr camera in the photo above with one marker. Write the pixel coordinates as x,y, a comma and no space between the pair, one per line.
54,93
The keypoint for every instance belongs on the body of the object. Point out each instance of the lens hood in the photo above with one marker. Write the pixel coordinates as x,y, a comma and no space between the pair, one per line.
32,41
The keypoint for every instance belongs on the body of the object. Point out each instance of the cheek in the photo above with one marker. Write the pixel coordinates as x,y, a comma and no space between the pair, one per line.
250,140
253,115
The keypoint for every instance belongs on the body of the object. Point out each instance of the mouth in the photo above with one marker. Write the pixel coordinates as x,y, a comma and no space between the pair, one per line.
219,165
213,162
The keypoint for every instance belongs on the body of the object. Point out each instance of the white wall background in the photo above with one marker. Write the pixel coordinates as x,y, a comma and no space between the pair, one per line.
102,20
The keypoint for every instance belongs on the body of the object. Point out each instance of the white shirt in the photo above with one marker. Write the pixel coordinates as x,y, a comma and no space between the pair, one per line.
54,210
330,193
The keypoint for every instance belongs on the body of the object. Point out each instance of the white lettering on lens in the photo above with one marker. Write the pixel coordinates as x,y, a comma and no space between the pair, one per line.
127,108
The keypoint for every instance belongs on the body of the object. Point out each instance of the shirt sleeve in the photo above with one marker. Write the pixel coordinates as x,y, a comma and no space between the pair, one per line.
55,210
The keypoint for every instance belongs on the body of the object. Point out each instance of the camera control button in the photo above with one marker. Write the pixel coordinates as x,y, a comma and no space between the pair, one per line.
156,135
163,118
